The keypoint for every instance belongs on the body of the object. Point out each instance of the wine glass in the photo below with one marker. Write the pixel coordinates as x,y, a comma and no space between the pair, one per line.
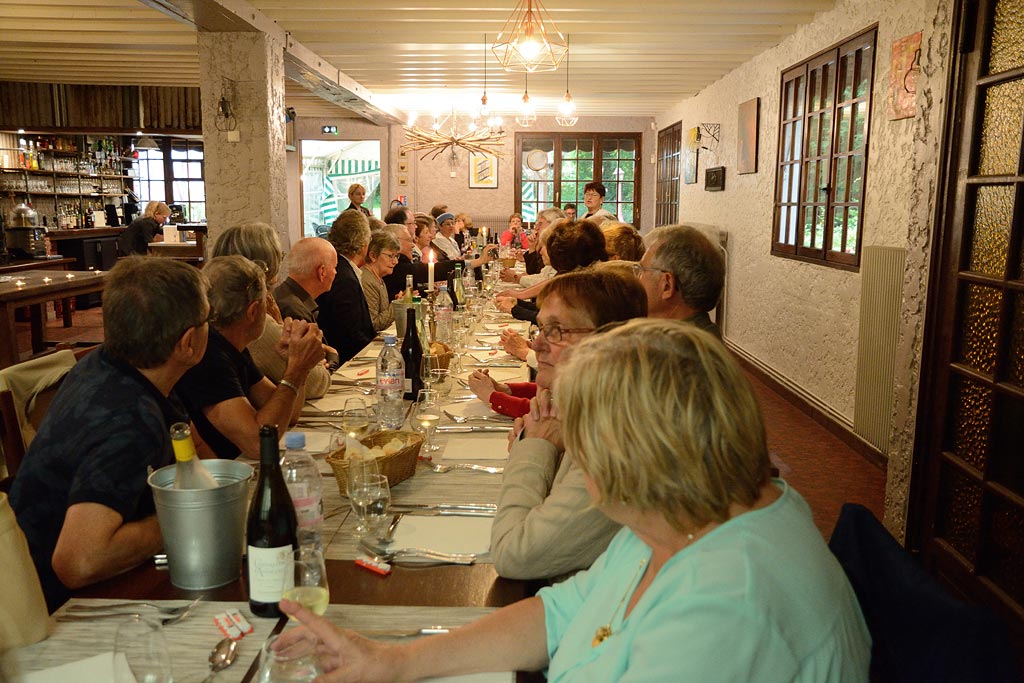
428,363
356,419
371,502
359,470
140,652
306,582
441,381
426,413
295,663
460,339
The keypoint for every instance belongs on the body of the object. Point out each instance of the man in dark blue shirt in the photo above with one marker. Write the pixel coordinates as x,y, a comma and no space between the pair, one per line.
81,495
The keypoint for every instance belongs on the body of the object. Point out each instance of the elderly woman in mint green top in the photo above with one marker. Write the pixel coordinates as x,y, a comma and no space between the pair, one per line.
719,573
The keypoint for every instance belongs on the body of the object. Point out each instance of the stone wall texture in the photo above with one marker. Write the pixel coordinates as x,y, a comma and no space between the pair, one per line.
799,320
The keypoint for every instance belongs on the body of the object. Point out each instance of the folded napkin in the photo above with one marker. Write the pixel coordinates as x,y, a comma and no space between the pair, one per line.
476,446
446,534
493,677
359,372
335,400
97,668
499,374
497,355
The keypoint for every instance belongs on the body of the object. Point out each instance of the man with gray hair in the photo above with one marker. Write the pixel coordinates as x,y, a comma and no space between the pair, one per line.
683,274
344,316
81,495
312,267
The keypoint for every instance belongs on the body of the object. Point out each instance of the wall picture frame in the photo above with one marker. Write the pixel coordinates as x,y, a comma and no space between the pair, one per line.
483,171
714,179
746,136
691,150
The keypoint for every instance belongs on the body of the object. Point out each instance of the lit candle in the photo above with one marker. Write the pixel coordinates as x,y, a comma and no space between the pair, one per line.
46,279
430,272
20,283
70,276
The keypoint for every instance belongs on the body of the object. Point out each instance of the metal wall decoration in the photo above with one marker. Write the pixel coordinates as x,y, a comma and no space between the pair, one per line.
714,179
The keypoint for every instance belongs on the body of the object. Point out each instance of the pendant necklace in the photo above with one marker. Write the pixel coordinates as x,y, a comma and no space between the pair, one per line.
603,633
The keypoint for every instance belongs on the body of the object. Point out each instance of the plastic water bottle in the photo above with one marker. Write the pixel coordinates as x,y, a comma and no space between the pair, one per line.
304,484
390,385
443,315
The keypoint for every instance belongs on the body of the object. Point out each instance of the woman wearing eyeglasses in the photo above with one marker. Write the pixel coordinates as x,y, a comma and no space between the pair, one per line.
381,259
545,526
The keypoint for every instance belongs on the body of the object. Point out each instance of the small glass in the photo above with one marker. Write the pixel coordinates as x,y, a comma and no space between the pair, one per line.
356,419
370,497
306,583
359,470
293,663
460,339
140,652
441,381
428,363
426,414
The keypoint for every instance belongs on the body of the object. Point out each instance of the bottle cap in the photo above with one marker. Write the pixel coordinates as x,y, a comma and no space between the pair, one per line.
443,287
294,440
390,339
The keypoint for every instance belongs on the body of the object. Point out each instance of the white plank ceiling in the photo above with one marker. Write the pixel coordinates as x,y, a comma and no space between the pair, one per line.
626,58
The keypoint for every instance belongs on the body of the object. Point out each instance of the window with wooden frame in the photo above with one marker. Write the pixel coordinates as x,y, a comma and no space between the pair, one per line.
670,144
824,120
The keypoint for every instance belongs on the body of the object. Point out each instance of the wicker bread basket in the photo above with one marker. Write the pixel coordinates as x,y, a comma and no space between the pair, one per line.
397,467
440,359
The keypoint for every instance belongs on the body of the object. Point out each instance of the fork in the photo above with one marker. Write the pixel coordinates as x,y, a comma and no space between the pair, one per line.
438,467
461,419
382,555
163,609
120,615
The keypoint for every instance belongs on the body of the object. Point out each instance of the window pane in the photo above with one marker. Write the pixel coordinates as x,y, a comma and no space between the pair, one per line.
155,170
568,150
808,226
852,228
178,151
856,177
826,135
179,169
811,192
785,184
819,227
787,142
195,152
180,190
838,223
812,136
843,139
860,127
197,191
828,83
846,77
800,95
815,90
866,57
586,171
795,192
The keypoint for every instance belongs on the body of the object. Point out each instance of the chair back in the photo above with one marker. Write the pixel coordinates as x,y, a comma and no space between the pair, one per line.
23,615
919,632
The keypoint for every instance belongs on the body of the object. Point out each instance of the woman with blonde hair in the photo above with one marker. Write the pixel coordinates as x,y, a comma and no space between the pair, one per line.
149,227
719,573
356,197
622,241
259,243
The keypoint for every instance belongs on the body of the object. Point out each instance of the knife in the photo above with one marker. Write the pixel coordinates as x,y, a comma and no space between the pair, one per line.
449,513
479,507
397,633
496,364
468,429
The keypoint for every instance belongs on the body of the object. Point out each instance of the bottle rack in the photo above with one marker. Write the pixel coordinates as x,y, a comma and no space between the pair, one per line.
62,177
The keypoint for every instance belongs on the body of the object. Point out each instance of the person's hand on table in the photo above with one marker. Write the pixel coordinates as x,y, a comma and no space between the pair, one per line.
514,344
343,654
504,303
509,275
542,421
483,385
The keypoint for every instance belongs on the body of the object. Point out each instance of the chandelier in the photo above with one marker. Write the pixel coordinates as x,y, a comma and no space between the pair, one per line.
444,135
567,116
527,114
526,43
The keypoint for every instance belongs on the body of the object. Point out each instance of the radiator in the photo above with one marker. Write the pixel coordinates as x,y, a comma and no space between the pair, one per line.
881,287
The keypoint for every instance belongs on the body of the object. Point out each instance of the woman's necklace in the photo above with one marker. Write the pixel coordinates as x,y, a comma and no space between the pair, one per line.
603,633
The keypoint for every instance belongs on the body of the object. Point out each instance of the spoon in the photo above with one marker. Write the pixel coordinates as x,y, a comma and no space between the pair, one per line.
222,656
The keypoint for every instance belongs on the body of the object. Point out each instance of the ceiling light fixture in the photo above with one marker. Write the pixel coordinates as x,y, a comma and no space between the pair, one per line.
485,110
444,135
527,114
146,142
526,44
567,116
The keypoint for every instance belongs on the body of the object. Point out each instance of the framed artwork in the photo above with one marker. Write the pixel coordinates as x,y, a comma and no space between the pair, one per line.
690,151
714,179
403,166
904,67
483,171
746,136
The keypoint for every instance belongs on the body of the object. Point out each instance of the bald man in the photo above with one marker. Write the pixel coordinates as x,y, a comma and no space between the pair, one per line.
312,265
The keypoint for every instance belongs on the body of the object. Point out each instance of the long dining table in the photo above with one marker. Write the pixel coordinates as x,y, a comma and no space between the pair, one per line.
412,596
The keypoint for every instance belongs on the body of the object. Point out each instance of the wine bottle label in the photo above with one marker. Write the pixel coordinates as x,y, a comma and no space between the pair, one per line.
408,384
267,569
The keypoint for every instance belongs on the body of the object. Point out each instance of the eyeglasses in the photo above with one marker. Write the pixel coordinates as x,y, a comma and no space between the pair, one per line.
553,332
591,194
639,269
389,254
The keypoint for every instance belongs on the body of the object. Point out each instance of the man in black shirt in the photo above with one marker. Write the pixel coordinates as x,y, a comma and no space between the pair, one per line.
81,495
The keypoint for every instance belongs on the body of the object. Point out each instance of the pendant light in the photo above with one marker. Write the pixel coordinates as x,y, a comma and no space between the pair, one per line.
485,109
526,43
567,116
527,114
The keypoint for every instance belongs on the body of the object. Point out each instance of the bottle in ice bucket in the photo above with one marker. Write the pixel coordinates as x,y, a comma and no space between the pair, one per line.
303,479
271,530
189,472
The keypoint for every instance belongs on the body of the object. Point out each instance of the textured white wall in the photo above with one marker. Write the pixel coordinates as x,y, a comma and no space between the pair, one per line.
800,319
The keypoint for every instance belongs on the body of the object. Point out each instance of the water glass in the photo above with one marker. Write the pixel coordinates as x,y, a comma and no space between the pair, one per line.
426,414
371,502
306,583
294,663
356,419
140,652
359,470
428,363
441,381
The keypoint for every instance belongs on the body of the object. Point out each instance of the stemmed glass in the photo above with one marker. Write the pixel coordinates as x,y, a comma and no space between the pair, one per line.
460,338
428,363
426,414
356,419
140,652
306,582
294,663
371,502
441,381
360,470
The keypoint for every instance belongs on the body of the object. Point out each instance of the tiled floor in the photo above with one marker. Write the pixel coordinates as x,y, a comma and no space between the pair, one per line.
820,466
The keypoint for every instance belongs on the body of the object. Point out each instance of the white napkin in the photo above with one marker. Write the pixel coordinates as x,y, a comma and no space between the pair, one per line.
316,442
476,446
360,372
471,409
493,677
500,374
446,534
97,668
495,355
335,400
487,339
517,326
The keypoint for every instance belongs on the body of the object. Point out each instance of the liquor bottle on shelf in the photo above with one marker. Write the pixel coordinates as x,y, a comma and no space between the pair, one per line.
271,530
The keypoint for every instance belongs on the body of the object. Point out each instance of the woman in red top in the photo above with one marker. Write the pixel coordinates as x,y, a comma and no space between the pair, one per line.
515,230
572,306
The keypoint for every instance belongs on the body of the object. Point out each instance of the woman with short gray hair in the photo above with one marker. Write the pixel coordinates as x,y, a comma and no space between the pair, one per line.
381,258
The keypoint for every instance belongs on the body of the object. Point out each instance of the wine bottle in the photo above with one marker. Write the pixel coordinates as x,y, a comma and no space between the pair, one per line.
408,289
271,530
412,354
190,472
